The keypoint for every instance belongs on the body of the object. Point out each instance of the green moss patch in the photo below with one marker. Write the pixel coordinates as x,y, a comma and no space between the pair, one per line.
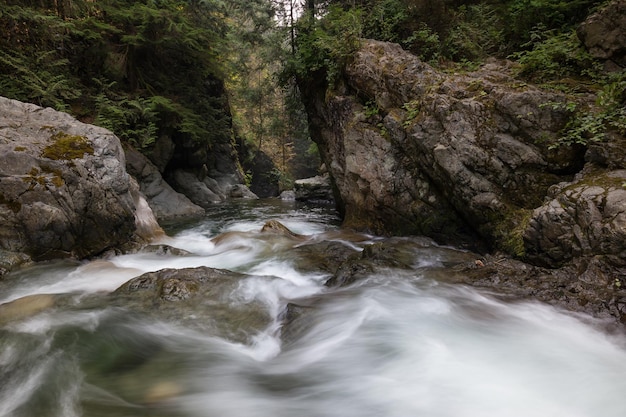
508,229
67,147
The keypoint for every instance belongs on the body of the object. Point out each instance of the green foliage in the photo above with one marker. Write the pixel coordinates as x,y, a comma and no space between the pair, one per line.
370,109
412,111
425,42
49,86
477,33
133,120
159,60
554,56
525,16
384,21
592,125
327,44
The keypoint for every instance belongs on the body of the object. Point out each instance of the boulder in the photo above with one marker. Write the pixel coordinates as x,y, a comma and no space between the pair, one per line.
315,189
64,189
264,179
198,297
580,219
205,191
602,33
167,204
242,191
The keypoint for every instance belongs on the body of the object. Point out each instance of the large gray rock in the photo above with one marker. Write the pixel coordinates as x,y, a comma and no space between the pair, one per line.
446,155
167,204
466,157
583,218
64,189
603,34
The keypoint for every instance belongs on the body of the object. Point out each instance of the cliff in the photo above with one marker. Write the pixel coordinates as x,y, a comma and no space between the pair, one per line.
466,158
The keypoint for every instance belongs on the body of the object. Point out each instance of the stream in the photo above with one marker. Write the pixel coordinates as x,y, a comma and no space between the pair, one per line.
271,340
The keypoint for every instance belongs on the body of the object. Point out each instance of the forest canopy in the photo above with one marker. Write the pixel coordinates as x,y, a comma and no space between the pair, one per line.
140,68
148,68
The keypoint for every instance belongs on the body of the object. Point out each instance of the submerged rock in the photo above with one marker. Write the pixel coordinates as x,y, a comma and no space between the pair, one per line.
198,297
25,307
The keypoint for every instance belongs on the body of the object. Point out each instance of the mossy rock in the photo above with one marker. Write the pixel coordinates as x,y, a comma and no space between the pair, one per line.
67,147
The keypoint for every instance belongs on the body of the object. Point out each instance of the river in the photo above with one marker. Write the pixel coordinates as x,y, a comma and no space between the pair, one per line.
399,343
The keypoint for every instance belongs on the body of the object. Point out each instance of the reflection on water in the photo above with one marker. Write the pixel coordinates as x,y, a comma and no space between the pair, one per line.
398,344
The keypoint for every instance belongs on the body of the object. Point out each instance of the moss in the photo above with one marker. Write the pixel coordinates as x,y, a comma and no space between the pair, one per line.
67,147
35,177
57,176
602,180
19,149
508,231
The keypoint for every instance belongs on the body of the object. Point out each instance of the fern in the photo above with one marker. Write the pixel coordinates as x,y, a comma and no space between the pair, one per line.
590,126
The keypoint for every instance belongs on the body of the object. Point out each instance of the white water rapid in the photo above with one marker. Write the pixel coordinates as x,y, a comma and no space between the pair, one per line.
397,344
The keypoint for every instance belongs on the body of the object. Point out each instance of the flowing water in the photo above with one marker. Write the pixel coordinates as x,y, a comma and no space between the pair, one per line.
400,343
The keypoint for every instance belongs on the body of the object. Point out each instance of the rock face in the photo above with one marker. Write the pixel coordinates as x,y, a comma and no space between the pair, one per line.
603,34
167,204
462,157
64,189
583,218
436,154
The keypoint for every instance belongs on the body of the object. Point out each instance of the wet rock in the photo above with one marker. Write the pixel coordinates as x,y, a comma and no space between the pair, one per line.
276,227
165,250
288,195
588,285
325,256
408,254
198,297
317,189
